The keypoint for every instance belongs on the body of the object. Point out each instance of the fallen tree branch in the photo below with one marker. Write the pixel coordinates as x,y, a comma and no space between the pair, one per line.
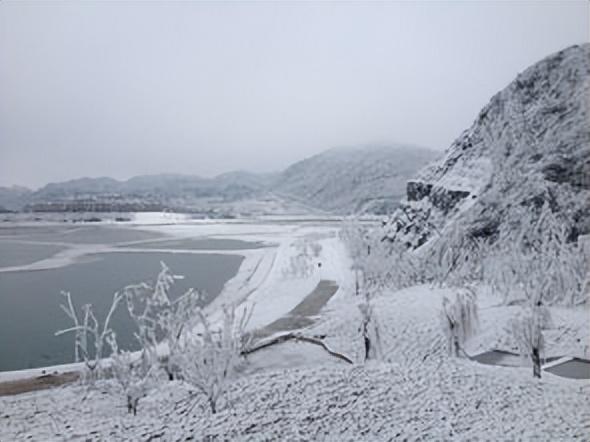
296,337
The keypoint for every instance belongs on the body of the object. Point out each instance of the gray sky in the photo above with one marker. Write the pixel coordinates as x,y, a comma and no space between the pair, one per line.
121,89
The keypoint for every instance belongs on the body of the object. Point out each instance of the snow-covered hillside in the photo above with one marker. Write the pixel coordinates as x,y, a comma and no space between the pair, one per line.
354,180
12,198
529,145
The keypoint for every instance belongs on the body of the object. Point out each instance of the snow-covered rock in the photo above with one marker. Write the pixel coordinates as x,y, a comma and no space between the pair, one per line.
529,145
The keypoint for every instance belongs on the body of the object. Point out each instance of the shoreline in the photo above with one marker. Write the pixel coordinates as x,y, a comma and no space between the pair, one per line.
258,280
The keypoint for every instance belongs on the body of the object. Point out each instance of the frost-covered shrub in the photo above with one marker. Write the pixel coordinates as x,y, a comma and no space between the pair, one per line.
459,320
455,258
354,235
369,330
316,249
379,264
198,352
527,331
208,355
533,261
502,274
134,377
302,264
172,322
90,336
533,258
158,318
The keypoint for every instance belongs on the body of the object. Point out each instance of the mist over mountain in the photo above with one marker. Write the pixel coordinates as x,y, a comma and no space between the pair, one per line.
355,179
368,179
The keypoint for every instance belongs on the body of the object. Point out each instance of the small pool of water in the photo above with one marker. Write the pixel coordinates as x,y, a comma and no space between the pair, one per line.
30,312
499,357
573,369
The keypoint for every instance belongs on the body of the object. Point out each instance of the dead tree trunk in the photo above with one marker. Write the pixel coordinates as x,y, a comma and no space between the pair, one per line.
367,340
296,337
536,363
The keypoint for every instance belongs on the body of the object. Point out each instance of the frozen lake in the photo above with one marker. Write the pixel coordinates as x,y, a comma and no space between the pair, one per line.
13,253
29,300
75,234
199,244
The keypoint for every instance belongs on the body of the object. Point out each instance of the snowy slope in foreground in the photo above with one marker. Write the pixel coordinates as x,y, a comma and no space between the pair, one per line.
419,393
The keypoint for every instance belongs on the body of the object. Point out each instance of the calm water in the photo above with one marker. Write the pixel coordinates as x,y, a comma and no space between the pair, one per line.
575,369
95,235
13,253
29,301
77,234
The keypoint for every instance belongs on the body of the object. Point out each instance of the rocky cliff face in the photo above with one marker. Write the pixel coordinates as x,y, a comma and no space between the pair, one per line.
528,146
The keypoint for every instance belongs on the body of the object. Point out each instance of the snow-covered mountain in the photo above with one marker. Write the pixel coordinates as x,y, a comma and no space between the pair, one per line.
369,179
354,180
14,197
529,145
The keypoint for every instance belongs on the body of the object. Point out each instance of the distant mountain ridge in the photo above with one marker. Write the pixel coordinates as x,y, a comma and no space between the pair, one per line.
354,180
343,180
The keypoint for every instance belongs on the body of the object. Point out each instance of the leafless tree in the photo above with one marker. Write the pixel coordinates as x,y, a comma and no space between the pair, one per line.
89,329
134,378
528,334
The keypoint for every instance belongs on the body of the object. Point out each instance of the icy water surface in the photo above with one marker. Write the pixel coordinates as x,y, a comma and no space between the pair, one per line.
14,253
76,234
199,244
29,300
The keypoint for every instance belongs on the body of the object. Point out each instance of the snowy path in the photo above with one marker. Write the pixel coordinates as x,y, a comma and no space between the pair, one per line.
304,314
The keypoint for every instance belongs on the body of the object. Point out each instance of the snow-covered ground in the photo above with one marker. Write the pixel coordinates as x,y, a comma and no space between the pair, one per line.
297,392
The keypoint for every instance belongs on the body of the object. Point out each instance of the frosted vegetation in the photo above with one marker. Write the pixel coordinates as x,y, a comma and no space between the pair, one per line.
531,264
397,341
176,338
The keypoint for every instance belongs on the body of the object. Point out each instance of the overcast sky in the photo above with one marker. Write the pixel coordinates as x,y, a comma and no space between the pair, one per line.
121,89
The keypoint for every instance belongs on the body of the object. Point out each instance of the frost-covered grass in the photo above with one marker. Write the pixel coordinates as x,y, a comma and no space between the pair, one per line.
440,400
